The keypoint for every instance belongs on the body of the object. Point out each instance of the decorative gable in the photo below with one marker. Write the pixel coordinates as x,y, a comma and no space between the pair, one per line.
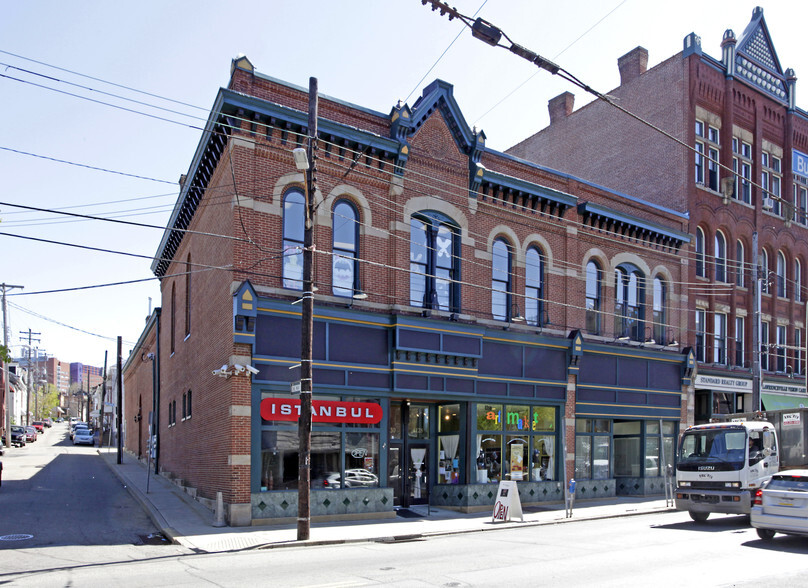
756,60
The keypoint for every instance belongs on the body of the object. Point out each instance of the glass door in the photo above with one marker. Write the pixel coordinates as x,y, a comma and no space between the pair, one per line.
409,466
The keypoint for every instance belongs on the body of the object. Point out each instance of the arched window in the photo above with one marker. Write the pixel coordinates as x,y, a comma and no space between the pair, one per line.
434,262
534,286
720,257
700,270
782,291
629,301
764,270
797,281
344,274
660,306
294,205
740,264
593,289
501,281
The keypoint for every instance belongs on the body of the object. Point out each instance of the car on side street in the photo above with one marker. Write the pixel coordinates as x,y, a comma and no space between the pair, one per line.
30,434
781,505
83,437
18,436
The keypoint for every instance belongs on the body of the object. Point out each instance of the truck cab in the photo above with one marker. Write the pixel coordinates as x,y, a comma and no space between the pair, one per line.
720,465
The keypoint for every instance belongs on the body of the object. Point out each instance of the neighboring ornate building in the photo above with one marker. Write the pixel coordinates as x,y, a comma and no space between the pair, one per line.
738,165
468,327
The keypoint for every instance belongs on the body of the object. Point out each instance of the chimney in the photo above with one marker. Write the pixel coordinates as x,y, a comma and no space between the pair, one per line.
560,107
632,65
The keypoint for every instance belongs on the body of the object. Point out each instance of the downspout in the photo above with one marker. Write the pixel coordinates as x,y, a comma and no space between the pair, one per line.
156,388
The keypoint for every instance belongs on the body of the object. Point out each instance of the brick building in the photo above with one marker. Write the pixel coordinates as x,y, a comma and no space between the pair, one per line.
737,162
467,325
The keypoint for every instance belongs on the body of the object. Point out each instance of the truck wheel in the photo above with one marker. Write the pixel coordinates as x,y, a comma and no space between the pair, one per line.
699,517
765,534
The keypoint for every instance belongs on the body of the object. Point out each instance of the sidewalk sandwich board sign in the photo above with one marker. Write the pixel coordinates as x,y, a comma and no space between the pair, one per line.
508,504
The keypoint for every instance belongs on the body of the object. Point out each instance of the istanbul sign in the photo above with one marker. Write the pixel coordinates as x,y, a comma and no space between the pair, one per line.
322,411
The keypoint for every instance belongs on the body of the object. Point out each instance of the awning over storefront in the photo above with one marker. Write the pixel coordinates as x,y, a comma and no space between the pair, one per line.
778,401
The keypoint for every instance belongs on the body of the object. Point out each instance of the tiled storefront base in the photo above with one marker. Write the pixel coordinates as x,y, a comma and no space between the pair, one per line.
476,497
640,486
348,504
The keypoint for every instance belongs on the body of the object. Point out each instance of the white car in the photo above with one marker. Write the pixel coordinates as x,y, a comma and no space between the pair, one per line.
781,505
83,437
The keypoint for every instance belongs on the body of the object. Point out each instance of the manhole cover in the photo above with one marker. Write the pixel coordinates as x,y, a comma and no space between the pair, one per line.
17,537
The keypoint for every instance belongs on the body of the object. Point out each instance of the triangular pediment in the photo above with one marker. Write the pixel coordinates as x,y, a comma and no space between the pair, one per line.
756,60
439,96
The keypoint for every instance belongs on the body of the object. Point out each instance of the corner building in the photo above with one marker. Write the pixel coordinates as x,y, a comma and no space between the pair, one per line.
467,328
738,165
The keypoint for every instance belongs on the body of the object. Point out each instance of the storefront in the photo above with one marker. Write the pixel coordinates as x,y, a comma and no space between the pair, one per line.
410,411
777,395
720,394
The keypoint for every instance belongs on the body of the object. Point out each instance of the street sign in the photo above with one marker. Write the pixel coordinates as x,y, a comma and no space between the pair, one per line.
295,387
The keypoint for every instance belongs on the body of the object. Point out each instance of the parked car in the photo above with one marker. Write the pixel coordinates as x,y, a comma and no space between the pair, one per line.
48,422
39,426
83,436
77,429
781,505
355,477
18,436
30,434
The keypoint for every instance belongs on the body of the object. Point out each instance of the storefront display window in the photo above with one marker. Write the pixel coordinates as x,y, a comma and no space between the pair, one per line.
527,456
627,455
592,449
449,444
361,460
343,454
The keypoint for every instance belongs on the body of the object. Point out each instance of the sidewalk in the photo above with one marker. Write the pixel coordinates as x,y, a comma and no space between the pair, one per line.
187,522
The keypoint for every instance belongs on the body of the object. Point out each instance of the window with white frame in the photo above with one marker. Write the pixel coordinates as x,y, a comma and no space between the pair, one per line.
799,358
720,257
782,289
780,350
720,338
701,323
801,204
707,152
771,179
594,280
434,262
739,341
501,281
740,264
700,269
764,346
797,281
659,307
764,271
534,286
742,166
294,208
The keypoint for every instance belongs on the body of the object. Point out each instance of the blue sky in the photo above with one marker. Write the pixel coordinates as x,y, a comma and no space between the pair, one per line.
177,54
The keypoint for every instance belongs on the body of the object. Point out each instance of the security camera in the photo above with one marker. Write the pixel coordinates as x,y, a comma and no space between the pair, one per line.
222,372
251,369
238,368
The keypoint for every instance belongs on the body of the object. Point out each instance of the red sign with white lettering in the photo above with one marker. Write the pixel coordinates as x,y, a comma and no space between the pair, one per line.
322,411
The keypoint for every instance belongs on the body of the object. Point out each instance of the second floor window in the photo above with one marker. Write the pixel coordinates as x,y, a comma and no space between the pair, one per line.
593,289
700,269
434,262
740,361
345,277
781,348
534,286
740,264
501,280
629,299
720,338
701,324
294,204
660,328
781,275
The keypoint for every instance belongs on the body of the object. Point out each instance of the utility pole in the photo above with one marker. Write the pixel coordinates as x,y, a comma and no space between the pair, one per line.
119,407
6,405
306,330
28,387
756,344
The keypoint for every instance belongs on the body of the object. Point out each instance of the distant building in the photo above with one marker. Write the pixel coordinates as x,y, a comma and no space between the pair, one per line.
80,373
744,182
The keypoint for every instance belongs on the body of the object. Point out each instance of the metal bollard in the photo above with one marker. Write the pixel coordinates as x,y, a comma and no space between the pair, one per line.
218,517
